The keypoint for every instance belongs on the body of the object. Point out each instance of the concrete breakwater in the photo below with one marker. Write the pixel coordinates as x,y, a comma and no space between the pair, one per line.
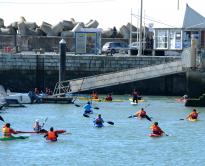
24,71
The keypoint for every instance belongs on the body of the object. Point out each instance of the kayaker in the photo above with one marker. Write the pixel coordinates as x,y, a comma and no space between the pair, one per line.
135,96
7,131
108,97
88,108
51,135
193,114
94,95
156,129
99,121
37,127
141,113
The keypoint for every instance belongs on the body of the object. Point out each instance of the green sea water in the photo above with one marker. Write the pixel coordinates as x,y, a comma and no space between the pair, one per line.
125,143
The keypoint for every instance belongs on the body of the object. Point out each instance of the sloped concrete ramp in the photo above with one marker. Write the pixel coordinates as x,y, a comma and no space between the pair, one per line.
115,78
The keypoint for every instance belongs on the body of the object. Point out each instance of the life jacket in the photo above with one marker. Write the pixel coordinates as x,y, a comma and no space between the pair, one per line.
108,98
194,115
99,121
51,136
142,113
156,129
6,132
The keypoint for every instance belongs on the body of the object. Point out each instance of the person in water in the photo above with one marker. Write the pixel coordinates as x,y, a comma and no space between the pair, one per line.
51,135
99,120
108,97
193,114
37,127
7,131
156,129
135,96
88,108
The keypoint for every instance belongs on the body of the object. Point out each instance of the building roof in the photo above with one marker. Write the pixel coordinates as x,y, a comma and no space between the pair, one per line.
193,19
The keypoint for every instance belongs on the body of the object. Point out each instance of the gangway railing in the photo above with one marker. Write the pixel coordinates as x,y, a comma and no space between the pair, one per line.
116,78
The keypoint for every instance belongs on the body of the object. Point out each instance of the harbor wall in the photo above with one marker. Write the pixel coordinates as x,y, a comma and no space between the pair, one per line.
25,71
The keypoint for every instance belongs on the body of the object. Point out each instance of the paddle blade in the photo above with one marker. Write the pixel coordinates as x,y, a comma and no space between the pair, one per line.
181,119
111,123
85,115
97,108
130,116
1,119
77,105
148,118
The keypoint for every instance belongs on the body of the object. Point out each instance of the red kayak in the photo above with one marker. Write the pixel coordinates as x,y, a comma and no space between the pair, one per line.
155,135
41,132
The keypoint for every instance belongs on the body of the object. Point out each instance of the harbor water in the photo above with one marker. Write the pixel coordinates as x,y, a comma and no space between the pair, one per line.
127,142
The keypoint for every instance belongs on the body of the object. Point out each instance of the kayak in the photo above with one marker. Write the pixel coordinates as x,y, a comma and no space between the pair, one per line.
13,138
192,120
139,101
133,103
155,135
98,125
99,100
41,132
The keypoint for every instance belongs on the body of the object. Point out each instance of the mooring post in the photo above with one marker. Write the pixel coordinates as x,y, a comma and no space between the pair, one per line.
62,66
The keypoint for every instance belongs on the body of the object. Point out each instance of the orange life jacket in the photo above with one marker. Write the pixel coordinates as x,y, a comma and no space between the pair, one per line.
51,136
156,129
6,132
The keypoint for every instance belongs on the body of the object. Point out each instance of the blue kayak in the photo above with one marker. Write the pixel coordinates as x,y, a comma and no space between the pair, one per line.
98,125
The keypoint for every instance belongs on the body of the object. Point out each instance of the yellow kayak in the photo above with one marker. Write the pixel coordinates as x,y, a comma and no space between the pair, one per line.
192,120
99,100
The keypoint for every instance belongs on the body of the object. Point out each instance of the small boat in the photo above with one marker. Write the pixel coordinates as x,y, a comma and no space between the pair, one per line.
192,120
155,135
13,138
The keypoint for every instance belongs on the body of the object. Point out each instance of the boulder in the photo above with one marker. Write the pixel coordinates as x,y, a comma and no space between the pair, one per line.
78,26
92,24
46,27
67,25
57,29
24,30
67,34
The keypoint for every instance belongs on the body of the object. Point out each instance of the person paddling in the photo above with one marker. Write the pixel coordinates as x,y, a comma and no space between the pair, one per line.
7,131
99,121
37,127
142,114
193,115
108,97
88,108
51,135
156,129
135,96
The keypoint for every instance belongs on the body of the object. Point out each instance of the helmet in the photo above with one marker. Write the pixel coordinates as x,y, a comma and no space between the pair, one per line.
37,120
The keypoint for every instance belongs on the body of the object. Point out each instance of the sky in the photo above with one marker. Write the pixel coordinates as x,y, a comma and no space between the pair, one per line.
108,13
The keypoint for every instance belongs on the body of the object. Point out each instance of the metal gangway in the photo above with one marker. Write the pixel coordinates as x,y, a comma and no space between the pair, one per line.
116,78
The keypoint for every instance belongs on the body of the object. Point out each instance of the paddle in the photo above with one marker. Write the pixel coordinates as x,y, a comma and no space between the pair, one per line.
1,119
44,122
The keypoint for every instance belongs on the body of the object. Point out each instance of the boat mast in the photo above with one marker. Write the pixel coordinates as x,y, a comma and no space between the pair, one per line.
140,35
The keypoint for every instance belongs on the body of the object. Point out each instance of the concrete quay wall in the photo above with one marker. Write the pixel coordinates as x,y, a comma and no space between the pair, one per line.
24,71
